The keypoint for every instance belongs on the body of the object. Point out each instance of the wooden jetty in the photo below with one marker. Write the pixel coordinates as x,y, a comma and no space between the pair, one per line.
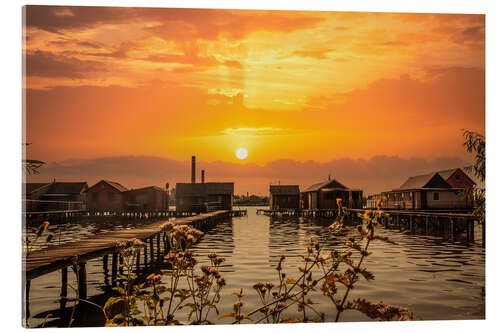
451,223
65,216
299,212
62,256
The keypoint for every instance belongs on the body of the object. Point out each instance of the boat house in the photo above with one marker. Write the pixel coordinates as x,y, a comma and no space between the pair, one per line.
284,197
429,191
151,198
106,196
55,196
324,195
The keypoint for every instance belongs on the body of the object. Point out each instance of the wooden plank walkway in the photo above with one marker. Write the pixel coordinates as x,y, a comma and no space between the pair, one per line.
55,257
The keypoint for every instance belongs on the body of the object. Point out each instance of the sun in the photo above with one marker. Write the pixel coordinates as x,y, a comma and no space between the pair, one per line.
241,153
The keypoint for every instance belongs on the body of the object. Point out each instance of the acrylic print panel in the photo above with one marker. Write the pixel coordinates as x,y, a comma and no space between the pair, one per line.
198,166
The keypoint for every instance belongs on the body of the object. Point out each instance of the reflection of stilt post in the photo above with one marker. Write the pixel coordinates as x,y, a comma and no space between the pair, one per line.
114,268
27,300
105,268
472,235
120,267
158,248
411,223
483,229
151,249
138,259
427,225
64,288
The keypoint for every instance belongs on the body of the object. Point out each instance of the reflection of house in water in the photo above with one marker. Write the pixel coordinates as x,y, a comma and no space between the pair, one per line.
203,197
55,196
324,195
151,198
439,190
284,197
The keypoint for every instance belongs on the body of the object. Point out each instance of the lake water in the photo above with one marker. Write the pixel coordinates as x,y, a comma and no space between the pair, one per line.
438,278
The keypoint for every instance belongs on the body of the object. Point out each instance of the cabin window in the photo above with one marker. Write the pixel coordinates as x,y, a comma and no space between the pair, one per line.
111,196
436,196
457,177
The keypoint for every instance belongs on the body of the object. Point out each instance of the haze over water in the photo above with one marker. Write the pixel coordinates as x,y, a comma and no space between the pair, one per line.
437,278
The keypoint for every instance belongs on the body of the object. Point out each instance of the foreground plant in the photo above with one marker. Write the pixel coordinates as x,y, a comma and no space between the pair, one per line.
334,272
162,295
29,243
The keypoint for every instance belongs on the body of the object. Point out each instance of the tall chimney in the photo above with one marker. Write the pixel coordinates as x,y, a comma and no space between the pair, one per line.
202,176
193,169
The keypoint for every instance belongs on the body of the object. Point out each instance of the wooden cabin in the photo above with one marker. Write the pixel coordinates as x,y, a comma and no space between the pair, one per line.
324,195
151,198
55,196
425,192
284,197
31,193
203,197
106,196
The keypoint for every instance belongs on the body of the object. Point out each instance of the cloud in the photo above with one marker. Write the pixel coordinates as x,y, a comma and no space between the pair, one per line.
252,131
372,175
316,54
48,64
172,23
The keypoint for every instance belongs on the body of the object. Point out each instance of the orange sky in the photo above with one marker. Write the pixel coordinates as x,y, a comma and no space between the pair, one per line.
299,85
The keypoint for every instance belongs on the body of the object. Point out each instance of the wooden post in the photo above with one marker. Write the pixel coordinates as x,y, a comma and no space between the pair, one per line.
452,229
471,230
411,223
114,268
81,271
146,253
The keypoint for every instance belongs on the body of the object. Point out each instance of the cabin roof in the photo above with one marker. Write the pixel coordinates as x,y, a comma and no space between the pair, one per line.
433,180
154,187
284,189
31,187
67,188
117,186
328,183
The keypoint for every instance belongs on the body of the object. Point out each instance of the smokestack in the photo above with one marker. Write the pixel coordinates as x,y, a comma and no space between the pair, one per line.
193,169
202,176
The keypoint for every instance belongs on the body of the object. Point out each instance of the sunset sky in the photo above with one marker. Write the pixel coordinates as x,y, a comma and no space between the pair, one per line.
130,94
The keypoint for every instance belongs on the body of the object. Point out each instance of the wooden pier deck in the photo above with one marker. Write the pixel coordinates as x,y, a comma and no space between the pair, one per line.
56,256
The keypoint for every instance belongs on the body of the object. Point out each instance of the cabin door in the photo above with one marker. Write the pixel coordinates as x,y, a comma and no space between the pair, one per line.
314,200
